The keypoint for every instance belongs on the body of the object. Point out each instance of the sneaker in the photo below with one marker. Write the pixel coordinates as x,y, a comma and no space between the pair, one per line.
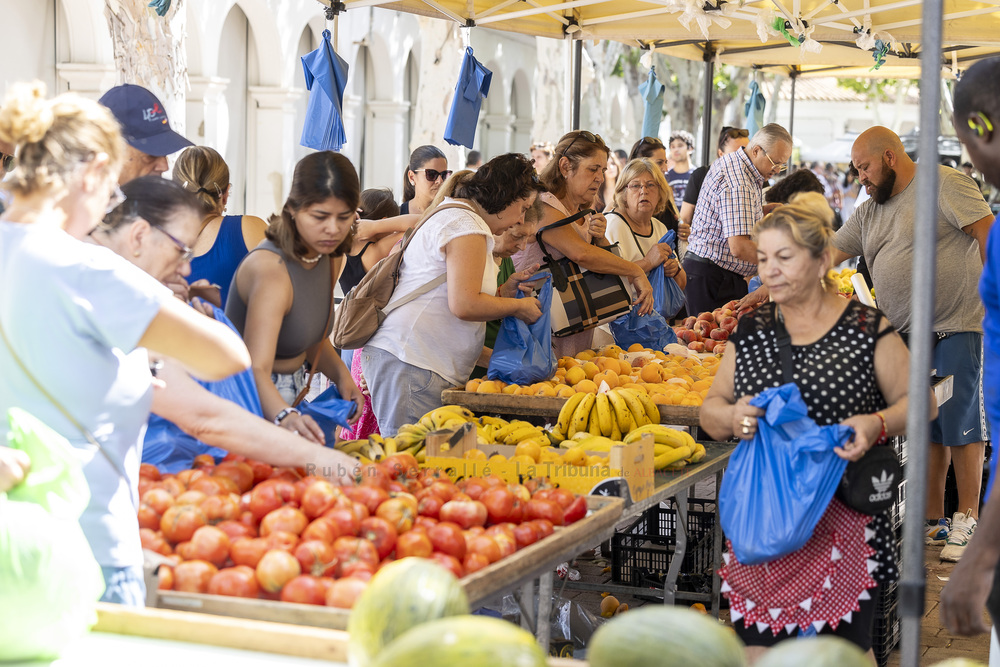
937,532
962,528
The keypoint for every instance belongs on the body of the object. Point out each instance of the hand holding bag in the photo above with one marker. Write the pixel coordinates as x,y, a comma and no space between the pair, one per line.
668,297
585,299
523,352
651,331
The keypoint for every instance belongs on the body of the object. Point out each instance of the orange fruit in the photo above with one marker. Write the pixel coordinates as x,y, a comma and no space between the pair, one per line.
530,448
497,458
591,369
521,458
575,375
650,373
488,387
475,455
473,385
565,391
587,386
510,389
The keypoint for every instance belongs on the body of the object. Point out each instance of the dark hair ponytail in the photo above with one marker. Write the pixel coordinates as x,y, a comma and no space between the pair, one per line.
420,156
156,200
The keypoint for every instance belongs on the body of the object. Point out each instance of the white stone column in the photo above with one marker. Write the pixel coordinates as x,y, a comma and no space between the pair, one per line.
386,152
498,135
354,127
521,141
271,139
88,79
205,104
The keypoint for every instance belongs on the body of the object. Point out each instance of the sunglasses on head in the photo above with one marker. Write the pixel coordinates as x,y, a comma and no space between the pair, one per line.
433,174
7,161
588,136
651,141
735,132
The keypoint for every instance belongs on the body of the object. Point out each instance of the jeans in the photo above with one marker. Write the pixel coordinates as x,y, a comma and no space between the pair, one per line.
124,585
401,393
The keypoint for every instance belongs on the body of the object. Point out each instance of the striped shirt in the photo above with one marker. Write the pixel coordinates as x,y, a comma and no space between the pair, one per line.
731,201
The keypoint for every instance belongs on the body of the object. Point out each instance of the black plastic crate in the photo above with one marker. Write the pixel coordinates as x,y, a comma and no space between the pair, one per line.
641,555
885,634
897,512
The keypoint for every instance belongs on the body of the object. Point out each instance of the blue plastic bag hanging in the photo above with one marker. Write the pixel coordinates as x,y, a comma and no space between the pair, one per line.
651,331
754,108
668,297
778,485
523,352
330,411
326,79
473,85
651,91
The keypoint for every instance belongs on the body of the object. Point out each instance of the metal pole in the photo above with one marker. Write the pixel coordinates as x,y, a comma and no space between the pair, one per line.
913,584
577,67
794,73
706,109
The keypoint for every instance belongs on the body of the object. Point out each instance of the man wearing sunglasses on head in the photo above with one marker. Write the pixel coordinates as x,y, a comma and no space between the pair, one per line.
720,255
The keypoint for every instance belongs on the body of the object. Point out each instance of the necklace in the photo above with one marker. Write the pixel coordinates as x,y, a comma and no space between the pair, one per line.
310,261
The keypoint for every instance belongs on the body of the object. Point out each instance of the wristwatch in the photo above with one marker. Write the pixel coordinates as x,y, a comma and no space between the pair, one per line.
284,413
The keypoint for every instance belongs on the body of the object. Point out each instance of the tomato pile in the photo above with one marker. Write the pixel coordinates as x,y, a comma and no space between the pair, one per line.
243,528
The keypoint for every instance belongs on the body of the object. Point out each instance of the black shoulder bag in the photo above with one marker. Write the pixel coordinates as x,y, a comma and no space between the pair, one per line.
870,484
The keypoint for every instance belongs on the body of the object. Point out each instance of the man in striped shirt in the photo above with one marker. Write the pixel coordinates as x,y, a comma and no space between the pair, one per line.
720,256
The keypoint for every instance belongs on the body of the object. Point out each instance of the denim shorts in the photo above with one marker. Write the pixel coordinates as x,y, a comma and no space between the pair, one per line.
290,384
124,585
400,393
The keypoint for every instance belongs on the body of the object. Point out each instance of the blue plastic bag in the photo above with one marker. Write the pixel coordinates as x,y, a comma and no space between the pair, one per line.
330,411
650,330
668,297
523,352
778,485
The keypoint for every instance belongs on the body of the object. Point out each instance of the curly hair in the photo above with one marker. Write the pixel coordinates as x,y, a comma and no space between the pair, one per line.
576,146
497,184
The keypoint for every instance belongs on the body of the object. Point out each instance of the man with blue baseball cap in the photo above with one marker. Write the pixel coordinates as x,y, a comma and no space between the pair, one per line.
146,128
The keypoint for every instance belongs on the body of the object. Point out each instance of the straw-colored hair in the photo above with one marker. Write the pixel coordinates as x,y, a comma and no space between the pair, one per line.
640,167
808,220
205,174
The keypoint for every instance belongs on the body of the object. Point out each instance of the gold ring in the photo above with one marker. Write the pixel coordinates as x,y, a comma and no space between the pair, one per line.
746,430
746,422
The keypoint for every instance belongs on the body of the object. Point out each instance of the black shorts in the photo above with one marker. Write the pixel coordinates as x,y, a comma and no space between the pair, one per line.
858,631
709,286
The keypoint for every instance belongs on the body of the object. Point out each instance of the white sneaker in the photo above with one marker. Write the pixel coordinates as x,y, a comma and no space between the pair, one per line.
963,526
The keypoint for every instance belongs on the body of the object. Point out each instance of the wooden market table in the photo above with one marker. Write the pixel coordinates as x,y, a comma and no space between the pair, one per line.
517,572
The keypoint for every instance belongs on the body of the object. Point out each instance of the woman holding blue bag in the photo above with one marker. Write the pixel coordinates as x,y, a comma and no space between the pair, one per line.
851,368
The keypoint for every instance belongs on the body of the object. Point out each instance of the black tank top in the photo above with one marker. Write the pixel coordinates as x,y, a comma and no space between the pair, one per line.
354,270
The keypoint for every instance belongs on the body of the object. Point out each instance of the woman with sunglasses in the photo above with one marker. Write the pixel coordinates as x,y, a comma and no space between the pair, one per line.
75,316
424,176
730,139
573,183
653,149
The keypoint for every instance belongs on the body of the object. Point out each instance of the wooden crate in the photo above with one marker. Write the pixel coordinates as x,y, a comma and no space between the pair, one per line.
502,576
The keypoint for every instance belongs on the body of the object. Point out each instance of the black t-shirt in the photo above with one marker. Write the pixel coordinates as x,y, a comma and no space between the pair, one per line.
694,185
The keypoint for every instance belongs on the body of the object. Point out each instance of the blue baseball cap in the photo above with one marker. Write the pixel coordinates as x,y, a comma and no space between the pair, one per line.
144,120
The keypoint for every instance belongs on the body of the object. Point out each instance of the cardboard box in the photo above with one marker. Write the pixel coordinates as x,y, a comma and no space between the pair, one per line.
631,464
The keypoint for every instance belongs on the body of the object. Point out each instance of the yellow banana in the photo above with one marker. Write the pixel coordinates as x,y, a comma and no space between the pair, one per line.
623,416
638,412
421,456
376,437
426,422
443,416
663,460
522,433
556,436
464,412
350,446
389,445
452,424
407,440
661,434
676,465
567,410
414,429
698,454
602,406
593,426
688,440
487,420
500,434
616,433
652,410
597,443
581,415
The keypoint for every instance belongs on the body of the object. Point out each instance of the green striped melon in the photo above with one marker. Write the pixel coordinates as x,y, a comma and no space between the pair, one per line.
464,641
821,651
401,595
659,636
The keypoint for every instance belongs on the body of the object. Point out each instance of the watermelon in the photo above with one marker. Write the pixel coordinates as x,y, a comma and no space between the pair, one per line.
822,651
657,636
464,641
404,593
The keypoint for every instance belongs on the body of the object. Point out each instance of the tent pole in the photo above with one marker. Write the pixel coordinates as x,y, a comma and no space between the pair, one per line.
706,109
913,584
794,74
577,67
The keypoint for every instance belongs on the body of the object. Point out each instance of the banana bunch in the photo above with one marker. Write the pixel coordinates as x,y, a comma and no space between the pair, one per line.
515,432
370,450
410,438
673,449
610,415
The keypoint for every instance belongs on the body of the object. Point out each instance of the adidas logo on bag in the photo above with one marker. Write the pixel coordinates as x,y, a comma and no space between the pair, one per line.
882,487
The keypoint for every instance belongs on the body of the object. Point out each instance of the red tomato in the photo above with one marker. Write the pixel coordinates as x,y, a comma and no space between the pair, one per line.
399,512
210,544
369,496
323,529
525,534
212,485
544,527
424,522
261,471
380,532
149,471
316,557
430,505
276,569
414,543
145,484
544,509
304,483
287,519
561,496
282,539
174,486
576,510
232,456
505,542
238,471
269,495
485,546
203,460
239,581
444,488
359,569
159,499
377,476
185,550
346,521
223,507
401,465
447,538
192,576
351,551
474,487
521,492
449,563
499,502
235,529
396,487
318,497
154,541
305,589
185,477
148,517
180,521
165,578
474,562
466,513
360,511
344,592
494,480
191,497
288,474
248,550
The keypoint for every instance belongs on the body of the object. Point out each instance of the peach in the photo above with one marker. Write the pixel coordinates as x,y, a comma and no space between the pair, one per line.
689,321
610,377
719,334
591,369
708,317
710,344
565,391
697,347
575,374
624,367
687,336
606,364
473,385
511,389
587,386
650,373
488,387
636,347
703,327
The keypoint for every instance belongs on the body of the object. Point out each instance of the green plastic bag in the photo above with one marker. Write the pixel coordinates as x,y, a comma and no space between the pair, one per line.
49,579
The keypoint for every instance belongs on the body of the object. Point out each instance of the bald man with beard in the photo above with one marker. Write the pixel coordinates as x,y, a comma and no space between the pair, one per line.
882,230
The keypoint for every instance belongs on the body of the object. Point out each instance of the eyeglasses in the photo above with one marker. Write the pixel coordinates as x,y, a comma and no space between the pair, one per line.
186,252
636,187
774,165
589,136
116,199
433,174
7,161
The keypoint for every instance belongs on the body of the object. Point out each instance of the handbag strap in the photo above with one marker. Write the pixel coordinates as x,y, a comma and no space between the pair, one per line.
559,223
784,341
88,436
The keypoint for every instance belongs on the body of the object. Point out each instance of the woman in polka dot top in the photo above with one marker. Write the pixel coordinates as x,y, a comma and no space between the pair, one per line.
851,368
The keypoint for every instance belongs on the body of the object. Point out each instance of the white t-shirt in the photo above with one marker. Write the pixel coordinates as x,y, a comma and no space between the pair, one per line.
424,332
73,313
632,246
